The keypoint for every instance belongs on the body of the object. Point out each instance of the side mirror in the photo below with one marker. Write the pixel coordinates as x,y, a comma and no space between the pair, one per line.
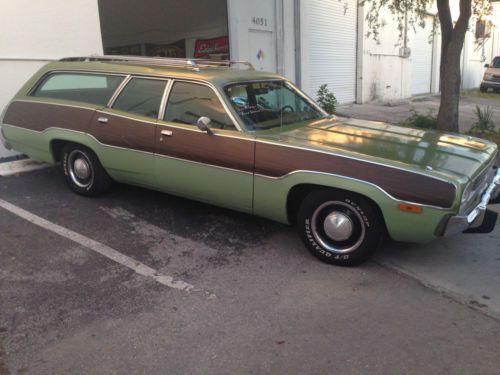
486,65
203,123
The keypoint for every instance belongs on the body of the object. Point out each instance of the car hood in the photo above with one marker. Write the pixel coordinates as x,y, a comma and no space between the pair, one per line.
447,155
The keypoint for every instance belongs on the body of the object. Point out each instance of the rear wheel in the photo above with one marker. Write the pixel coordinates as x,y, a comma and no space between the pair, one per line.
339,227
84,173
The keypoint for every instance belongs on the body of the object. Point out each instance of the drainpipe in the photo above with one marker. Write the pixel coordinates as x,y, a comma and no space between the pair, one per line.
405,35
360,30
298,52
280,37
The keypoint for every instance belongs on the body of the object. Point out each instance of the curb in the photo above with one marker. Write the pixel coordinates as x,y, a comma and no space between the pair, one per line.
20,166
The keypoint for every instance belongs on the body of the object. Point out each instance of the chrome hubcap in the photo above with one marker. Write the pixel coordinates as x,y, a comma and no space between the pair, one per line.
338,226
82,169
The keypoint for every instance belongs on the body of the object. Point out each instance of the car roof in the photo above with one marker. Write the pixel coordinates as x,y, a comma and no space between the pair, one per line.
219,76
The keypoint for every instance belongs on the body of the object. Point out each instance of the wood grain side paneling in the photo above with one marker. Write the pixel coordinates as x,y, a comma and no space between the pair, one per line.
41,116
213,149
277,161
124,132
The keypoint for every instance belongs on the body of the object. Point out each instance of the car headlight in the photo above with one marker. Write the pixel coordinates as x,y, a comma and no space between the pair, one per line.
467,195
477,186
488,77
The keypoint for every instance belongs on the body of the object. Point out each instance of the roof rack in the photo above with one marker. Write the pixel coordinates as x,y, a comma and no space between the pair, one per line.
195,64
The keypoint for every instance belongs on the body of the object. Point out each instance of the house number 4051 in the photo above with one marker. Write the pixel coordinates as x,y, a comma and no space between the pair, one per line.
259,21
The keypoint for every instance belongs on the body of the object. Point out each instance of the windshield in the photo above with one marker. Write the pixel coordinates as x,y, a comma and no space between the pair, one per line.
496,62
271,104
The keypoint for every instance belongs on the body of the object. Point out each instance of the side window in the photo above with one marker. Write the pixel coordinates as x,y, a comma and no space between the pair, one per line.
190,101
141,96
80,87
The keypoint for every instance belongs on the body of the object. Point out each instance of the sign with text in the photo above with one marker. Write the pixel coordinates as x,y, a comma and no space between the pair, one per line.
215,46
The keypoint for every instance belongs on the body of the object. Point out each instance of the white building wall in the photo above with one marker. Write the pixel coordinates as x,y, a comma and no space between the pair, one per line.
385,74
34,32
477,53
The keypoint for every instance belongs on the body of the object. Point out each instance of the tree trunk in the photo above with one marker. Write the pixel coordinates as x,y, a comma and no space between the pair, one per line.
451,50
450,90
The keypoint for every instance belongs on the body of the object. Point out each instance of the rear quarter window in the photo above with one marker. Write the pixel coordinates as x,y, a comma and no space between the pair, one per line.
79,87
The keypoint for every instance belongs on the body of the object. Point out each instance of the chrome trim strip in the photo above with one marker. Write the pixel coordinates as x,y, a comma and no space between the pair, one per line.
108,112
185,63
164,99
34,59
205,164
129,149
91,107
216,132
354,180
118,91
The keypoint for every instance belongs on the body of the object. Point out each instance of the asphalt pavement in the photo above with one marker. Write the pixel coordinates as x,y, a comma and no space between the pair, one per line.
139,282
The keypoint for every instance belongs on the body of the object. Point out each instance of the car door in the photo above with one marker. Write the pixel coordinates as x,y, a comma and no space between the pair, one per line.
126,130
215,167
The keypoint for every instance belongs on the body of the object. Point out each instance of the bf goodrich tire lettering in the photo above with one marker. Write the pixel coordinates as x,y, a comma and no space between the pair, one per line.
357,243
83,171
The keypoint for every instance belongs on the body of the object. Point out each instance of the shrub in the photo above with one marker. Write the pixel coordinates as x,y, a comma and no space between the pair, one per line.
420,120
484,123
326,99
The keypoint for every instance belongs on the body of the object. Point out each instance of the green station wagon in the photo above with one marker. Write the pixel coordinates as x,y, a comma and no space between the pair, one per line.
252,142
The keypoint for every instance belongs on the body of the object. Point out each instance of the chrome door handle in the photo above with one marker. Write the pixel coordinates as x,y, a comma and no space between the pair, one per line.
168,133
103,120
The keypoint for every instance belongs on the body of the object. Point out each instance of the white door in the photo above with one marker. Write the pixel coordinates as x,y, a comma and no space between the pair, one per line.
262,52
421,59
329,47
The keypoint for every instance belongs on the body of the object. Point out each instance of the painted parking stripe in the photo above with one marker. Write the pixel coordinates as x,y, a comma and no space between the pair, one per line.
98,247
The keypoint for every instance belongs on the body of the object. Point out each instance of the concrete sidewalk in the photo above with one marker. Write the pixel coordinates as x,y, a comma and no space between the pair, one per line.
398,112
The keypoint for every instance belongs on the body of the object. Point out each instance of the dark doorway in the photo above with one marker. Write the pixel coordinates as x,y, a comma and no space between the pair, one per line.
167,28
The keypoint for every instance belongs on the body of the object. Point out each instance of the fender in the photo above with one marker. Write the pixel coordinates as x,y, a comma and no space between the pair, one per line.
271,194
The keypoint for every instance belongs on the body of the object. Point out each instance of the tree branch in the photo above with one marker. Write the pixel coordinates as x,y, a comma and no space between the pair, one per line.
463,20
445,19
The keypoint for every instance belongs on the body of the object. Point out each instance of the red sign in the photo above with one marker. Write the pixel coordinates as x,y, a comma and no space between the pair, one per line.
216,46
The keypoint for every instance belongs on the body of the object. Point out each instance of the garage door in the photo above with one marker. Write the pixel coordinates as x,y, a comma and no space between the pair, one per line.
329,41
421,59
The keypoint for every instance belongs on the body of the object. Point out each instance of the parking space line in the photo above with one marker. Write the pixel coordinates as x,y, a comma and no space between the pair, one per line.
98,247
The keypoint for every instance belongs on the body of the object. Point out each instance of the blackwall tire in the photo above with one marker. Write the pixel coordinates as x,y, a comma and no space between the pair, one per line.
340,228
83,171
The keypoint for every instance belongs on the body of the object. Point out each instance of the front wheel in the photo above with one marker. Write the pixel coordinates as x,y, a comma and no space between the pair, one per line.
84,173
339,227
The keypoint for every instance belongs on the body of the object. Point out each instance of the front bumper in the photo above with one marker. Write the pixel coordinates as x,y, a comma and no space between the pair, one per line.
476,218
2,140
490,84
